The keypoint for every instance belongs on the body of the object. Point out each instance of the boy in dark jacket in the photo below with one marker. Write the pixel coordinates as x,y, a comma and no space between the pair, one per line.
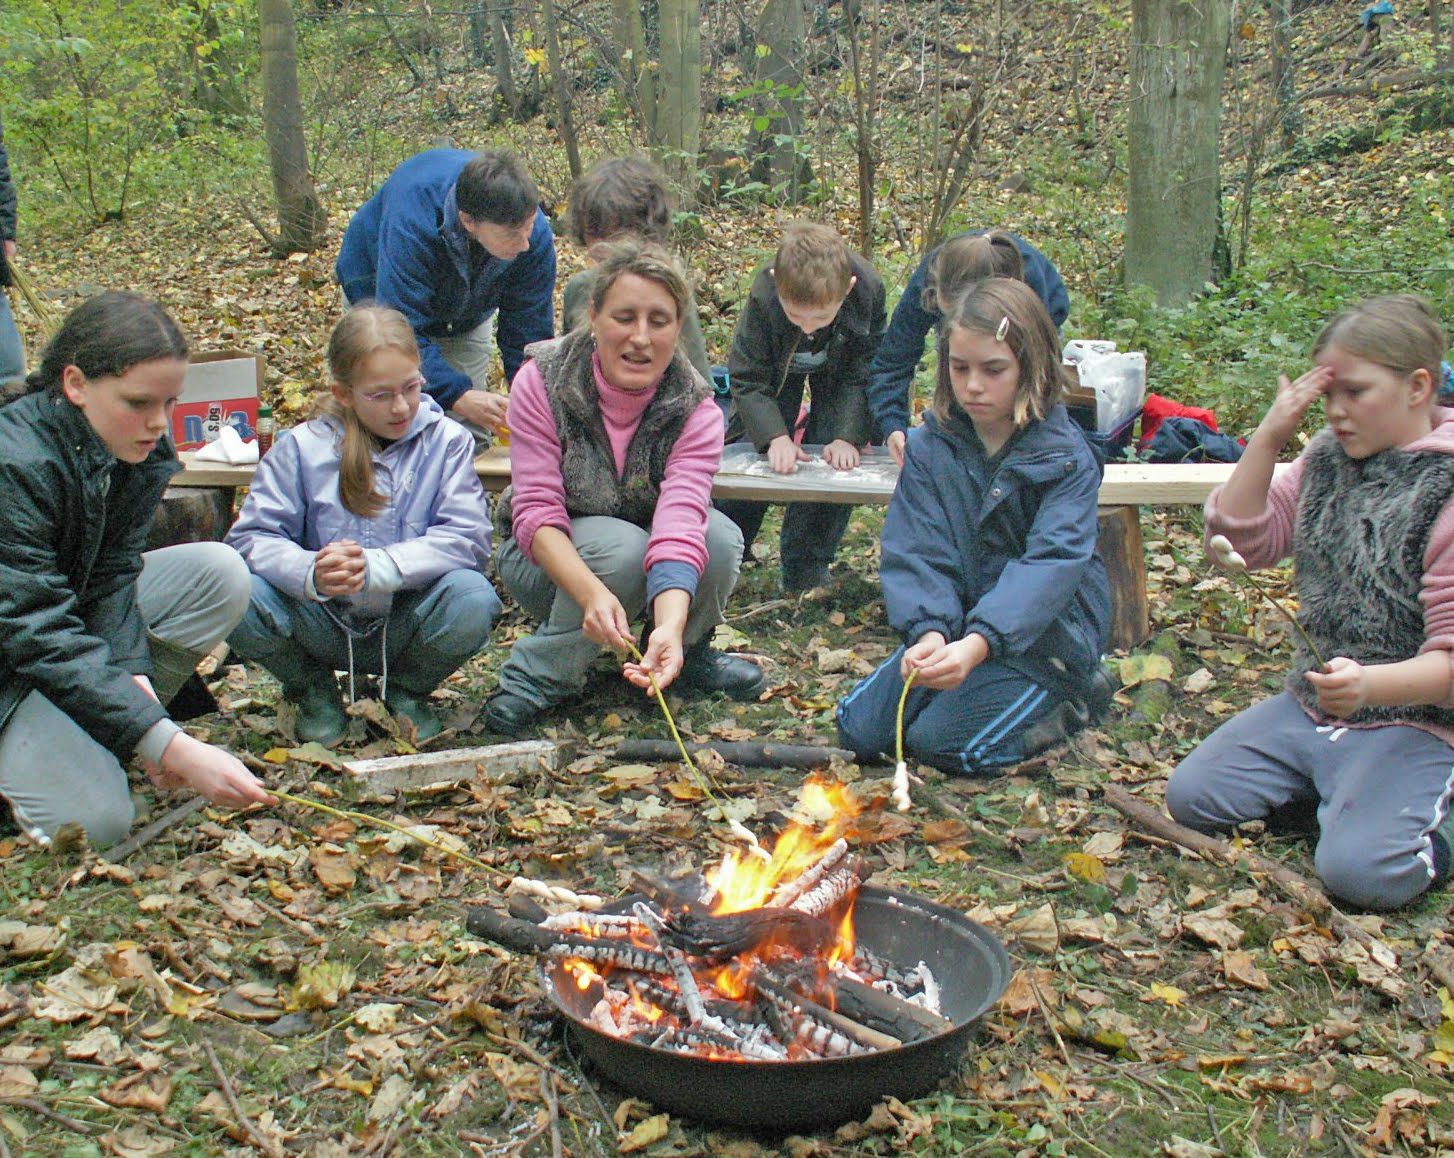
812,323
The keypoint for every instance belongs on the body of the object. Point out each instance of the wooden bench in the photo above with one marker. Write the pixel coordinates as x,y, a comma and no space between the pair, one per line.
1125,488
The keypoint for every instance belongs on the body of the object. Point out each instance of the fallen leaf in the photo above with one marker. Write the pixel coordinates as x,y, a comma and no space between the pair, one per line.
1240,969
334,866
644,1134
1169,994
1144,666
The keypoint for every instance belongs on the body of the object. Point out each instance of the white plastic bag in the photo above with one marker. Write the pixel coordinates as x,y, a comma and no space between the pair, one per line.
1119,383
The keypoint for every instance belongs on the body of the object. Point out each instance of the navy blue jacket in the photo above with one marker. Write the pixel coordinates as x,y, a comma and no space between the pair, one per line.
405,248
903,344
7,206
1006,549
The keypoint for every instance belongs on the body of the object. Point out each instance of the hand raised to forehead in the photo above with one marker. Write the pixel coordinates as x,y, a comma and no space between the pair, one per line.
1293,400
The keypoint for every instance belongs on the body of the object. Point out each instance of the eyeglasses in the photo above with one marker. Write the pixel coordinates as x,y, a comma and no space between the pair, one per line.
409,391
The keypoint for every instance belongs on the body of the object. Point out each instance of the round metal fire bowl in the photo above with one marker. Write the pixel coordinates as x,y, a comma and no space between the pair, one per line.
972,969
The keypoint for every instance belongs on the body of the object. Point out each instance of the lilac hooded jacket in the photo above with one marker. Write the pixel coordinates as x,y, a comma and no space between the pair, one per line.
436,519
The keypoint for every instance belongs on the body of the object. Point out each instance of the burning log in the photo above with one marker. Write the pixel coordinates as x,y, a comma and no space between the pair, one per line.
789,891
831,891
868,1006
524,937
720,938
823,1032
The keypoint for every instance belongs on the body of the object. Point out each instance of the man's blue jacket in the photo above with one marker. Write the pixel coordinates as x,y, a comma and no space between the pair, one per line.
406,248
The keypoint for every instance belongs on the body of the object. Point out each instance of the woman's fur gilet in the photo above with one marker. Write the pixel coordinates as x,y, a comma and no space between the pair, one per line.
1362,532
588,467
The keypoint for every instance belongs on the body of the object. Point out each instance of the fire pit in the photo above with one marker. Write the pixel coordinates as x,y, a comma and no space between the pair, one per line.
901,929
776,992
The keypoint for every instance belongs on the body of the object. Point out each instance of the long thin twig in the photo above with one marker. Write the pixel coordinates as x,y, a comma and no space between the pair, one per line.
144,836
263,1141
36,1106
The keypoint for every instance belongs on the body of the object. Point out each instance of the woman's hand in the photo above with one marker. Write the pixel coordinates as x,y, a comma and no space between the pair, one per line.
783,455
1292,402
1342,687
482,407
605,621
942,665
663,658
340,569
211,772
841,455
896,441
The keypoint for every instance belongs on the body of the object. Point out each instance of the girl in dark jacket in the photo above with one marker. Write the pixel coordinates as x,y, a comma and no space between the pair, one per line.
990,570
96,637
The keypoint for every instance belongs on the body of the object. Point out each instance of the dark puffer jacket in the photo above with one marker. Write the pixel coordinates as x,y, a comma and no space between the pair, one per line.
73,524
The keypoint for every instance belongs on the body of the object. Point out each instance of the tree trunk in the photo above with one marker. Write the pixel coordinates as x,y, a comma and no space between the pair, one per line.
775,141
678,119
504,72
638,83
561,83
865,101
1284,72
1178,53
301,219
218,84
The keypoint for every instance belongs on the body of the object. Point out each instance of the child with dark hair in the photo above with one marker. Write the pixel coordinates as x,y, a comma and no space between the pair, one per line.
989,564
809,329
1367,737
367,532
616,198
940,278
95,636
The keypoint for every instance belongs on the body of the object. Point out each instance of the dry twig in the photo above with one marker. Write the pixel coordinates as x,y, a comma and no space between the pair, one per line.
263,1142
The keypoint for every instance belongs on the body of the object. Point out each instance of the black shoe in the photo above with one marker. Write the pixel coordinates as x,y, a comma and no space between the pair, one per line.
509,714
707,670
321,718
1101,690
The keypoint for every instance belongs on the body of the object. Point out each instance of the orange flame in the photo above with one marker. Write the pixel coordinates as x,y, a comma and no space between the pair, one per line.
743,882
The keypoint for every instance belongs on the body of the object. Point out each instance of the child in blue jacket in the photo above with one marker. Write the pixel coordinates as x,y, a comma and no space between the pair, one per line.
940,278
990,570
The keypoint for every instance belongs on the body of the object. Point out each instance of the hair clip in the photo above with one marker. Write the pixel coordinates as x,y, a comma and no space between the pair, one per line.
1004,328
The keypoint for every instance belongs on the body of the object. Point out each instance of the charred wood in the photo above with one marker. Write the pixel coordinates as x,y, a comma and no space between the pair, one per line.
789,891
815,1026
720,938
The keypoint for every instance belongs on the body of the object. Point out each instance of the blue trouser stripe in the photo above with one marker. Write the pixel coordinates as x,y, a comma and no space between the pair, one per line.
1010,718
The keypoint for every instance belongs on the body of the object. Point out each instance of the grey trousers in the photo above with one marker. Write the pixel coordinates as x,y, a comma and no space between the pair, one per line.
553,663
1379,793
51,771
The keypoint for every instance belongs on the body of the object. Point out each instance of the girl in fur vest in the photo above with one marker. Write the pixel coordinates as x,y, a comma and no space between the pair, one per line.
1365,513
367,533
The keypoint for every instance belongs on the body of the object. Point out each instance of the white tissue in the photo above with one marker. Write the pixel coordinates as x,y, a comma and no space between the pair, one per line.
228,447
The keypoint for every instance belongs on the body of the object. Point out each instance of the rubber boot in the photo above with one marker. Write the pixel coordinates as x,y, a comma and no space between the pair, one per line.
313,689
414,676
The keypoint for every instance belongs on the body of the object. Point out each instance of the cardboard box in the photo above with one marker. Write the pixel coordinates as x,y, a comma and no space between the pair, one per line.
222,386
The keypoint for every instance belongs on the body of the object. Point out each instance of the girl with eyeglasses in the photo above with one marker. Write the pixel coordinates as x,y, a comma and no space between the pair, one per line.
367,532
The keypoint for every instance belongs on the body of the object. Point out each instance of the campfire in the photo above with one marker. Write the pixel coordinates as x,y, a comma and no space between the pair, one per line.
758,963
766,964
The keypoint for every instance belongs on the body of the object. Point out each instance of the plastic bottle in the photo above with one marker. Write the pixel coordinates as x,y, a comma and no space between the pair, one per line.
264,430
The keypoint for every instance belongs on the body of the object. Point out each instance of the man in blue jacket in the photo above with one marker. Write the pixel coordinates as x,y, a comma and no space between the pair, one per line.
449,239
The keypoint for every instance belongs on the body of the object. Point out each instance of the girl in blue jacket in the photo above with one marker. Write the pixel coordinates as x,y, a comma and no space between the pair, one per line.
367,533
989,563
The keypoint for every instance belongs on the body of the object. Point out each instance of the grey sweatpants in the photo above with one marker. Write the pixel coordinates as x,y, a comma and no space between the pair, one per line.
553,662
51,771
1379,792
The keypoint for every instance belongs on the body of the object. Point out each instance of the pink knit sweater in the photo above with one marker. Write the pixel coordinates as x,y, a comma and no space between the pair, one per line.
679,526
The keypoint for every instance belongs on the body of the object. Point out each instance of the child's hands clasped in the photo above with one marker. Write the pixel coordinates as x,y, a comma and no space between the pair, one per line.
1342,687
936,663
1292,402
340,569
783,455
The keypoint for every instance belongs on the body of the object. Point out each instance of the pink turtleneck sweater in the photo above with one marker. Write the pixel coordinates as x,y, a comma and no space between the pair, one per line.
679,527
